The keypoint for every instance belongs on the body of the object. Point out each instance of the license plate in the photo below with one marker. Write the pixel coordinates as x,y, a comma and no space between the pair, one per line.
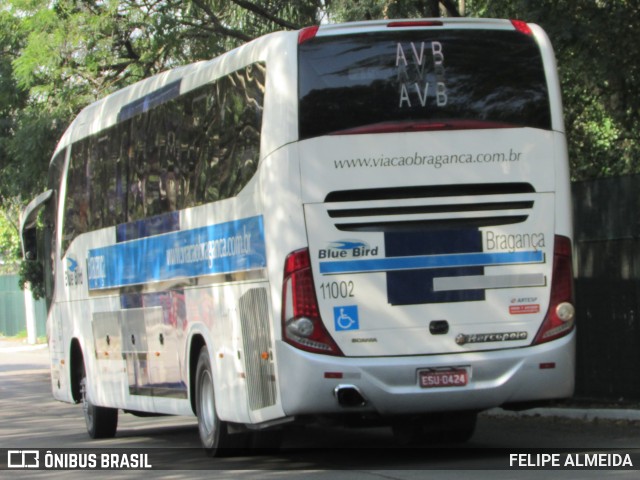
441,378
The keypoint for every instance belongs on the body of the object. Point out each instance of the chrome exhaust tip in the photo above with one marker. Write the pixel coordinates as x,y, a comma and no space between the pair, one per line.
349,396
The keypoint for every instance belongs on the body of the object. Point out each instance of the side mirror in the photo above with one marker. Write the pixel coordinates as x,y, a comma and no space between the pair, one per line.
28,225
30,244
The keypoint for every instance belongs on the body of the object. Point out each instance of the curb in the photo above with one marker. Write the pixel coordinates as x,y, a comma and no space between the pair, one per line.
584,414
11,347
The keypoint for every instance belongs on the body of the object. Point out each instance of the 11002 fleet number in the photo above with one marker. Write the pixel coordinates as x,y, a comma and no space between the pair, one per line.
333,290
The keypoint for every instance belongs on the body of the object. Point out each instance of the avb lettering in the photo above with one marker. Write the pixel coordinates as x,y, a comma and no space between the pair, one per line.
414,87
423,94
418,59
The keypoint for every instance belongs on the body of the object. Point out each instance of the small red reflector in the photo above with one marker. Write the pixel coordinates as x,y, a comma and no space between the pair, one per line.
415,23
307,34
522,27
332,374
547,366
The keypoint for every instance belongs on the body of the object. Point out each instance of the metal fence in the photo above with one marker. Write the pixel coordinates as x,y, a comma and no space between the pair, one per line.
12,309
607,261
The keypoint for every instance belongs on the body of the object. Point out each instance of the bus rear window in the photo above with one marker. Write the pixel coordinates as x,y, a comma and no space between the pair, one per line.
417,80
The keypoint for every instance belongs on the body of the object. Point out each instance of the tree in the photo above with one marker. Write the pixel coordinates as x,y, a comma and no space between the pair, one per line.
57,57
9,238
599,64
355,10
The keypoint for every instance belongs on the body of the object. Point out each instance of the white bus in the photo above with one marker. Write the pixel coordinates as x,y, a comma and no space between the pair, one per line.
365,220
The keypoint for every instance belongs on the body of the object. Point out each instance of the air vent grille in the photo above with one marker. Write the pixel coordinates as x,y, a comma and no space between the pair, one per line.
430,207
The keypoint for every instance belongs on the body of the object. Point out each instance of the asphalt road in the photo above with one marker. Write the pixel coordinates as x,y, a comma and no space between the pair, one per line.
31,419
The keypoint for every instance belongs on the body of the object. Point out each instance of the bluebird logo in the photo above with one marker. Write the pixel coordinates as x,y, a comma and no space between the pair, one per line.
347,249
348,245
72,264
73,276
346,318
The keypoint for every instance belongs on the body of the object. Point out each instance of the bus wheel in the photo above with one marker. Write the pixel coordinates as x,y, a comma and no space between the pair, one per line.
102,422
213,432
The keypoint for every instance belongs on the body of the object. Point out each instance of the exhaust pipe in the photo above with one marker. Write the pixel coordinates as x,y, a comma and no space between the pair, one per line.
349,396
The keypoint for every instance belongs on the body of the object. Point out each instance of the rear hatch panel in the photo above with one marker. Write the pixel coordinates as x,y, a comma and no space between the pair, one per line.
404,268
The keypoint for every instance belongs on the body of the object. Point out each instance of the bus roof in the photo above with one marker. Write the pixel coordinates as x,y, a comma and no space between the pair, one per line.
105,112
444,22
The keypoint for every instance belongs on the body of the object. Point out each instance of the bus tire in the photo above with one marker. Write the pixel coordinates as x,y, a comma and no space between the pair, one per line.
214,433
101,422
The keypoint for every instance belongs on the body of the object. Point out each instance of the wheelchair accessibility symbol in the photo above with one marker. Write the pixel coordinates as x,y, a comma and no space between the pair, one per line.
346,318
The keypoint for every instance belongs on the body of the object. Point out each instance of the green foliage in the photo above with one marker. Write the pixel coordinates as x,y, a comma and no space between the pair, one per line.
351,11
599,63
31,272
10,249
36,133
58,56
355,10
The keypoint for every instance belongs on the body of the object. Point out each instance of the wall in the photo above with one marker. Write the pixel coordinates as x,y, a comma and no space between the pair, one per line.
607,261
12,312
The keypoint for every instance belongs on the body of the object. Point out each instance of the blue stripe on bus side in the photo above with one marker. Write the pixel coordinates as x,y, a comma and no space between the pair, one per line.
216,249
482,259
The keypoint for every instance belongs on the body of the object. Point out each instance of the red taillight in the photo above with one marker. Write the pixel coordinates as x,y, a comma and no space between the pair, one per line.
307,33
560,318
302,326
522,27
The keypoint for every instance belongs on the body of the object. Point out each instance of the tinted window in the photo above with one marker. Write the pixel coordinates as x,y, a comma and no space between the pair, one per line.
468,77
167,153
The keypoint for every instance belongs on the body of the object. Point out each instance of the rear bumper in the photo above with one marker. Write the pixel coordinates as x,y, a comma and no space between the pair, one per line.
390,384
